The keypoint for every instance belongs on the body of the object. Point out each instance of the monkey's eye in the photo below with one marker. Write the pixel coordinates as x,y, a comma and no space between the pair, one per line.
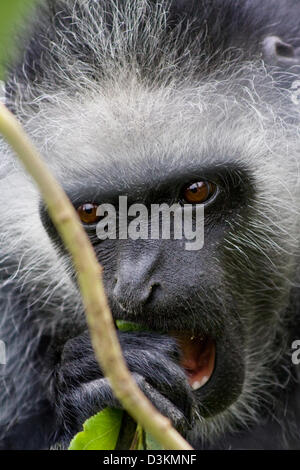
199,192
88,213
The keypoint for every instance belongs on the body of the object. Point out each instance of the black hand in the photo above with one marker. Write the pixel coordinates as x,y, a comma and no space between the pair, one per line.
81,391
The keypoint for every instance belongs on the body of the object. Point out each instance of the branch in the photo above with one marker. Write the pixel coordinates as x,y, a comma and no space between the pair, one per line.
89,274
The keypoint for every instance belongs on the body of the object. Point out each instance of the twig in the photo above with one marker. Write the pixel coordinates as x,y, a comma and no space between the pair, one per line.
89,274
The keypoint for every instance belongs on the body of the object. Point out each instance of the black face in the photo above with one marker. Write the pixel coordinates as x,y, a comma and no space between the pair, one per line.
173,291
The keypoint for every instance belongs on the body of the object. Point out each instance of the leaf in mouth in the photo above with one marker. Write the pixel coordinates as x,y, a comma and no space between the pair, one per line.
124,326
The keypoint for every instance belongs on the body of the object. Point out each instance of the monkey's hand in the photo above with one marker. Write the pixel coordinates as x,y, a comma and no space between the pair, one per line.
80,390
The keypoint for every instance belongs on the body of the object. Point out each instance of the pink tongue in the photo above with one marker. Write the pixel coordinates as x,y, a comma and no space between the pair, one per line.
198,358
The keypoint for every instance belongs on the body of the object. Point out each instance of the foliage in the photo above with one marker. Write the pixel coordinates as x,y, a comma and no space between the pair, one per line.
100,432
12,16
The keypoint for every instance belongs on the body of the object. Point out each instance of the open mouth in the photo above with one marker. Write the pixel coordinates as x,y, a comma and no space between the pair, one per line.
198,357
214,368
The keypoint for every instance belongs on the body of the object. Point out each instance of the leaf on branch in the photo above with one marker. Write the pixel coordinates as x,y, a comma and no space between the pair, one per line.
100,432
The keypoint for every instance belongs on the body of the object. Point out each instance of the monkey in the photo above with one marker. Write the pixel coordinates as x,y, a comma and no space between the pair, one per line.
169,101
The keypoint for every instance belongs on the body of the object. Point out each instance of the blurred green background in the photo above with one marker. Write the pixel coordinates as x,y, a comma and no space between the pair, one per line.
13,14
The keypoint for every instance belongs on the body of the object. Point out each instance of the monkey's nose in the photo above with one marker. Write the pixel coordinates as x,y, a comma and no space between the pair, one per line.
131,294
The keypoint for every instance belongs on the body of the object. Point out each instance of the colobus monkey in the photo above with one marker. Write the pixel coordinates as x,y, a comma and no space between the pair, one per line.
180,101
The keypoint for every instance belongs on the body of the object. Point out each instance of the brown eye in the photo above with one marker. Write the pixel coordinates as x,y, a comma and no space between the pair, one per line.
197,193
88,213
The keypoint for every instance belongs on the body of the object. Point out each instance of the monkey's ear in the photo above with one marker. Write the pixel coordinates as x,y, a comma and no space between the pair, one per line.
278,52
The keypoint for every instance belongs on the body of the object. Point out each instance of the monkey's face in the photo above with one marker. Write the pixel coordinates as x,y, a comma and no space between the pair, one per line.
218,301
167,288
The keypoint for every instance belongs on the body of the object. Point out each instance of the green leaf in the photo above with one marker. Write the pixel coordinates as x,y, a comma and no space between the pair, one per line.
138,442
151,444
129,326
13,14
100,432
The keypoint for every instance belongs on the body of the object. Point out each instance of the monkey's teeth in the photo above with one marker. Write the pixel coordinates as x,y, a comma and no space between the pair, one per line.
199,383
197,357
